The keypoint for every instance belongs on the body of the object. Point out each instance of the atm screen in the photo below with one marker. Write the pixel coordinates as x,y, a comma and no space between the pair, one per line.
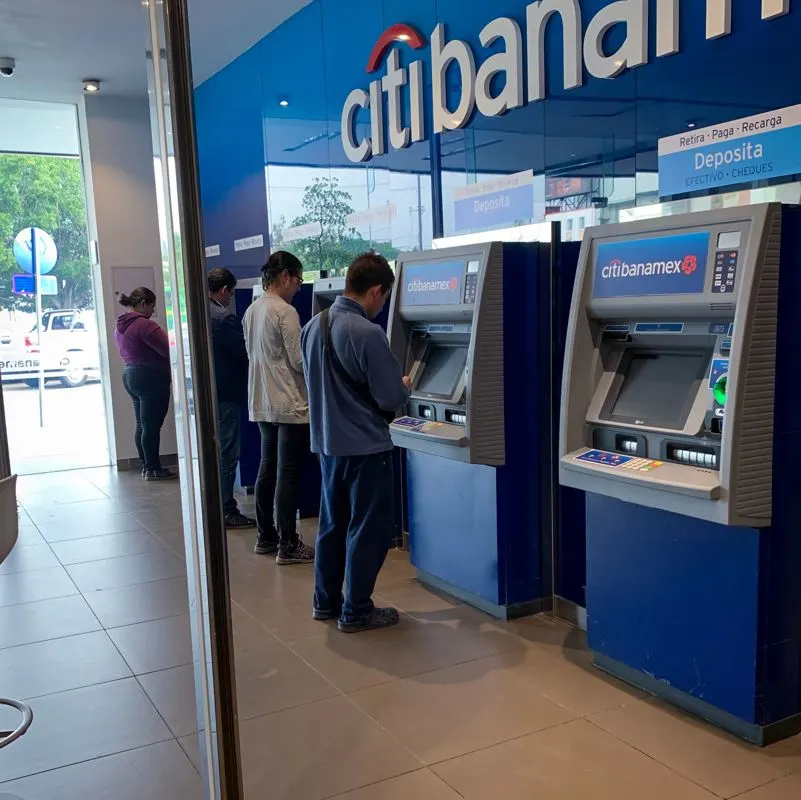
443,368
659,389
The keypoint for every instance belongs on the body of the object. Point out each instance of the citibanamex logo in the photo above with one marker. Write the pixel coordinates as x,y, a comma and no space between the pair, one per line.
679,266
509,71
689,265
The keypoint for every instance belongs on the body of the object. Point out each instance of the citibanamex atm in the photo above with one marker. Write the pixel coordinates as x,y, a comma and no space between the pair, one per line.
680,421
472,328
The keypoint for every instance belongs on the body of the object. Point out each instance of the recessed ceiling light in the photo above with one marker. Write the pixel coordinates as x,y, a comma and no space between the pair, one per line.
91,85
691,124
283,102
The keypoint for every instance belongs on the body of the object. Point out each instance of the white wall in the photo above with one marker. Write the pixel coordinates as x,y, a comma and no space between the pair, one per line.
123,220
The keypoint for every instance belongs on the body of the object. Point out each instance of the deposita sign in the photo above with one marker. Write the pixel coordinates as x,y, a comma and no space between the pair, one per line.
519,65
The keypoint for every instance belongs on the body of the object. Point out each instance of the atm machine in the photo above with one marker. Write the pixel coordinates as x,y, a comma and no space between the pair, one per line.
680,421
472,327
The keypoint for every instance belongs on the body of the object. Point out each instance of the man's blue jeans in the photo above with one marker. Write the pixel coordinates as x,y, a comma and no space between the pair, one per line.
230,422
357,508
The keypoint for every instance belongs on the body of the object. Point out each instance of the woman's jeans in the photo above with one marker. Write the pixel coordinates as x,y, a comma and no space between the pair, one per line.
284,448
150,391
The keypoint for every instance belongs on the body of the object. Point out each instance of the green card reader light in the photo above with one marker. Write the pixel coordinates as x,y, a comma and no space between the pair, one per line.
719,390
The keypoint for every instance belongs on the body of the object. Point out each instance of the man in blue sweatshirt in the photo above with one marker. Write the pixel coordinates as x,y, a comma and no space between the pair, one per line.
355,385
231,378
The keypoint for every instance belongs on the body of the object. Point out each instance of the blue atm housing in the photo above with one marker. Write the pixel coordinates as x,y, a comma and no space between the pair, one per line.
705,615
483,533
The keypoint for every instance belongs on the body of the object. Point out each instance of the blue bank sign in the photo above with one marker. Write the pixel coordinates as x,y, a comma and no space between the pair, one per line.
657,266
759,148
500,202
437,284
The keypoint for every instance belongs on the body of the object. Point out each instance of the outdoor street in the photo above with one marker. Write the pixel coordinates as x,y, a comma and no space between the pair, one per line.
73,436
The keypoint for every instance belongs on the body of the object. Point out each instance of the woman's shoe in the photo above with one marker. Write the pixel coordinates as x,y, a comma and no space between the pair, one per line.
160,475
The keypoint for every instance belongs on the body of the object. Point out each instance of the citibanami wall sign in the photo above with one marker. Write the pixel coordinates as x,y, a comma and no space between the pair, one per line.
520,61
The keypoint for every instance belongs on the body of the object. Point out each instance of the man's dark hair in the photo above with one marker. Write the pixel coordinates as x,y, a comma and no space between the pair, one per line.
366,271
277,263
221,278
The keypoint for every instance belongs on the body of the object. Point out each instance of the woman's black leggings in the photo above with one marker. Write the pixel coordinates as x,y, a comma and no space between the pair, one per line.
150,391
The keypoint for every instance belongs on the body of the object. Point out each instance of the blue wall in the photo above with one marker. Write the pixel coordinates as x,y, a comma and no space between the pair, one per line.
606,129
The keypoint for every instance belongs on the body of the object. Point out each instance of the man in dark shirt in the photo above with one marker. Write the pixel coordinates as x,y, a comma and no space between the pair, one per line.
355,384
231,376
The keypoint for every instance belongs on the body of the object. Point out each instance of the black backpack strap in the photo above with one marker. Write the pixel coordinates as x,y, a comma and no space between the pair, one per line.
361,390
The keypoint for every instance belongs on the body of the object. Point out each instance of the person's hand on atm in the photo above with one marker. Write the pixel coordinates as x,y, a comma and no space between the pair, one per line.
407,381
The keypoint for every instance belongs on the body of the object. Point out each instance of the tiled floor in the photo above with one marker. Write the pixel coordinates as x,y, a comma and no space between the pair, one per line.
451,704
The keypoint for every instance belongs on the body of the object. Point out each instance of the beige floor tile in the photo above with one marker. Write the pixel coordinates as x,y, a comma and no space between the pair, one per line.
413,647
571,762
46,619
420,785
127,571
29,535
26,558
155,646
60,665
785,789
270,677
172,692
143,602
318,750
450,712
568,678
707,756
412,597
31,587
99,548
190,745
157,772
67,529
77,726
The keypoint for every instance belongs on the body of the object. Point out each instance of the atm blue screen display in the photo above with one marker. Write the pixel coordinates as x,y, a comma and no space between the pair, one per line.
660,265
437,283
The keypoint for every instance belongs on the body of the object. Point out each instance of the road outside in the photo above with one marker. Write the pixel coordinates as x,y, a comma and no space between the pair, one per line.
74,433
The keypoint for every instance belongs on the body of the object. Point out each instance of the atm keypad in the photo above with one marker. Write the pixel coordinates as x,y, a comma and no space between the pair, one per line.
470,286
725,271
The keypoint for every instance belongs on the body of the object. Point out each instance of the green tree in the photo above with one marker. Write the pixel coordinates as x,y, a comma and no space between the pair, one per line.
46,192
328,205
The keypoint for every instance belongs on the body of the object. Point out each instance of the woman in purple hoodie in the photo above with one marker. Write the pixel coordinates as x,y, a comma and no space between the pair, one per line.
146,352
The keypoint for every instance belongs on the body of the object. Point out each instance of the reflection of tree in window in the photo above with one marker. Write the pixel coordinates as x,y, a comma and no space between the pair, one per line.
46,192
327,205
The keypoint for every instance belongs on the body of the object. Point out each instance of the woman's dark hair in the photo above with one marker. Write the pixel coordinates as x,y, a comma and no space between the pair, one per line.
368,270
277,263
137,297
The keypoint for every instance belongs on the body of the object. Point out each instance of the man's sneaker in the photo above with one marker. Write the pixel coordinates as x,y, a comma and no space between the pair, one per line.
376,619
298,553
265,547
237,521
160,475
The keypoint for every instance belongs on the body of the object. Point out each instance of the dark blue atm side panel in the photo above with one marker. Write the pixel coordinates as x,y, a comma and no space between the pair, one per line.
485,530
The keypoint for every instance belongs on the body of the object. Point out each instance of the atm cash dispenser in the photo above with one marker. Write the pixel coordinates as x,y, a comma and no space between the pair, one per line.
680,421
472,327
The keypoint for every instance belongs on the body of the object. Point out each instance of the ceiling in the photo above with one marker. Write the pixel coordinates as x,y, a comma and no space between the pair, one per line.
58,43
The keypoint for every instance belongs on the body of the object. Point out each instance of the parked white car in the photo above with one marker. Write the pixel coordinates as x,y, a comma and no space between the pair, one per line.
68,351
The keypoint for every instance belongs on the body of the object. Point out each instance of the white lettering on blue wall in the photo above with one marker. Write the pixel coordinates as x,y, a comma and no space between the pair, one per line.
521,60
